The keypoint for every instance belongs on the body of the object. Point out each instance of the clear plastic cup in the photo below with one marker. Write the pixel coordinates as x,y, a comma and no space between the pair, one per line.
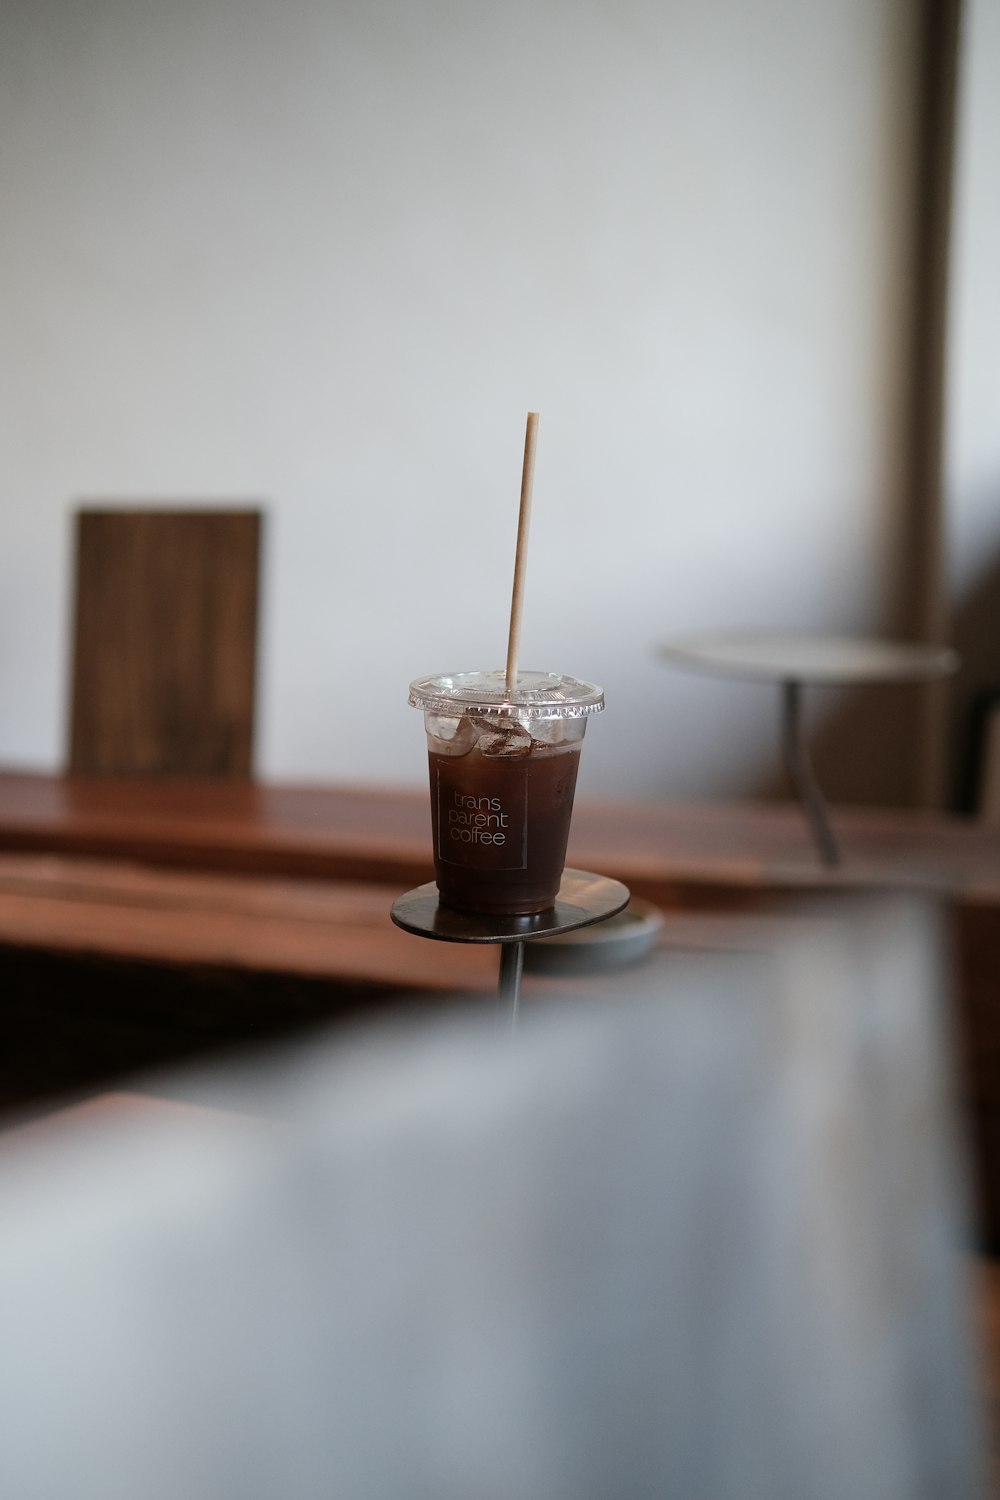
502,773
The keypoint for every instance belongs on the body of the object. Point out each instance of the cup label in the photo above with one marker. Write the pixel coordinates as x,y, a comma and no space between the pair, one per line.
487,832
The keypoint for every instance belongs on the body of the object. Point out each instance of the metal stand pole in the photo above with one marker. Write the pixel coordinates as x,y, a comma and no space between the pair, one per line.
802,776
509,986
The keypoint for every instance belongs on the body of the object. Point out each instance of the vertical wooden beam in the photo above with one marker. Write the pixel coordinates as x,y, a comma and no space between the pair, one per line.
924,556
165,642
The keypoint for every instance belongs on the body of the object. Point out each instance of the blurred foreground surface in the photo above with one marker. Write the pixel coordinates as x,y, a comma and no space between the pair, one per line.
704,1241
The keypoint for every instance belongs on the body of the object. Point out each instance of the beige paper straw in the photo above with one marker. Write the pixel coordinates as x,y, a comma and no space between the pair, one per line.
521,556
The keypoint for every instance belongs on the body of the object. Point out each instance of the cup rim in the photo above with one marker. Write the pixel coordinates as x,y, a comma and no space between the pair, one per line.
539,695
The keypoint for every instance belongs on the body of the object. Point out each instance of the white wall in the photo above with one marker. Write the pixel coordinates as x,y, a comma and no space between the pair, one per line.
973,428
329,254
972,431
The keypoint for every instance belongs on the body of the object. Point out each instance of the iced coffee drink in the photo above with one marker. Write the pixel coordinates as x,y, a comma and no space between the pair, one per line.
502,777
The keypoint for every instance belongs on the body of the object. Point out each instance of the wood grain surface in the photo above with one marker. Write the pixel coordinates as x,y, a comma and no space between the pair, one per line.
165,642
671,852
334,930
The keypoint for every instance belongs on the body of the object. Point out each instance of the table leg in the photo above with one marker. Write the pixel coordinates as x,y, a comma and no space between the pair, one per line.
802,775
509,987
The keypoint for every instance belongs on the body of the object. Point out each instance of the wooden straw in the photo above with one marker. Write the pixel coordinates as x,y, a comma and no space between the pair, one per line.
521,556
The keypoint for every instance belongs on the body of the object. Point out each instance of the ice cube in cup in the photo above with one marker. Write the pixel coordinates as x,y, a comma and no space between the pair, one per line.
505,741
450,734
503,774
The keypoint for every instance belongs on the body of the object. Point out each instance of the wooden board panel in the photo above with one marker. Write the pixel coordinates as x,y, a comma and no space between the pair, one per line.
314,929
109,969
664,851
165,642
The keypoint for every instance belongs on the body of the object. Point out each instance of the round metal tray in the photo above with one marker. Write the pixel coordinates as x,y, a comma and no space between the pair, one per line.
612,944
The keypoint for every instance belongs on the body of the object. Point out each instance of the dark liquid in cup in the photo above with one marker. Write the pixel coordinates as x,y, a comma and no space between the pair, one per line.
501,825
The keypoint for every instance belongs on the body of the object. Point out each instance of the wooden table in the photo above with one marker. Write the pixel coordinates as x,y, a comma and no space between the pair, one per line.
108,968
673,853
294,883
310,929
